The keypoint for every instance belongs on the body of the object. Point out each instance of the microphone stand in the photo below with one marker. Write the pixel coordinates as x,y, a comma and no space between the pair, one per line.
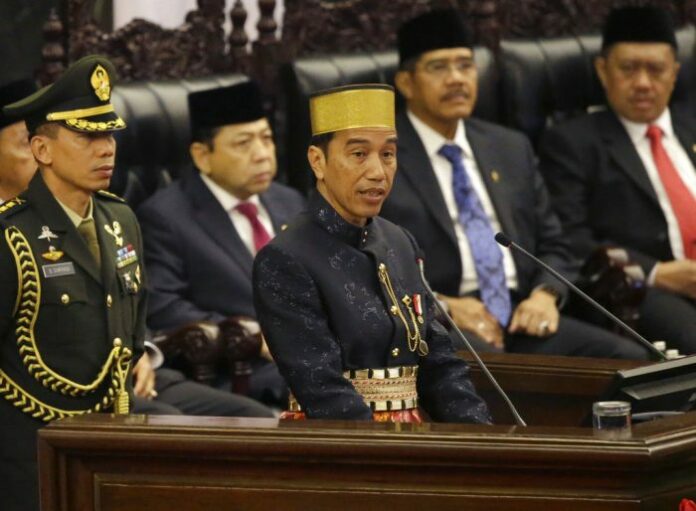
518,418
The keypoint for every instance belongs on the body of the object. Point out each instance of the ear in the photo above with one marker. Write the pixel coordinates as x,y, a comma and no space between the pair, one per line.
404,83
317,160
200,154
41,149
600,65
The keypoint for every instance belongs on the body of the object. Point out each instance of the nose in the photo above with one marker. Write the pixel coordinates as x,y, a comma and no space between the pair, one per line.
642,78
376,169
263,149
105,145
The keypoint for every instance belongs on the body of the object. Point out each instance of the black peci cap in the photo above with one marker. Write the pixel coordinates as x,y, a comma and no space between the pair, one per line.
434,30
639,25
235,104
11,92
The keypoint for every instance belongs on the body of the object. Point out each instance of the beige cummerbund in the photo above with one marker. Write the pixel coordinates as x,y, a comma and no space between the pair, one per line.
384,389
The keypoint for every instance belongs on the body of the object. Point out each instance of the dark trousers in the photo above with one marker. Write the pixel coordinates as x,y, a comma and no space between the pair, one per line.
671,318
177,395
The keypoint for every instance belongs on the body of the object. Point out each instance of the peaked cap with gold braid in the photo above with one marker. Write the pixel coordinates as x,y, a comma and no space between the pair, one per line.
352,106
80,99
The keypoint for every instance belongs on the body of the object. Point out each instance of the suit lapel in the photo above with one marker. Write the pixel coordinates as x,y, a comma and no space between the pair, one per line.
624,154
107,244
215,221
686,133
489,164
415,166
275,209
70,241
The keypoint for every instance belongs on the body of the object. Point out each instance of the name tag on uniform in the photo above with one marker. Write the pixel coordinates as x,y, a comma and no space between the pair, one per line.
58,269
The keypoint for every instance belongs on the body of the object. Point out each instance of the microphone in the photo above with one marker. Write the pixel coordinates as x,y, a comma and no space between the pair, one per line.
518,418
503,240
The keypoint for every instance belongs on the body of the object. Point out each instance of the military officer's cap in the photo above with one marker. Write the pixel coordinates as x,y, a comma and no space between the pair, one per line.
79,100
639,25
11,92
434,30
222,106
367,105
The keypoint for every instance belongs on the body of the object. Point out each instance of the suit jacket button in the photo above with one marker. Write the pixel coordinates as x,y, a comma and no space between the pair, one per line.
65,298
395,352
109,301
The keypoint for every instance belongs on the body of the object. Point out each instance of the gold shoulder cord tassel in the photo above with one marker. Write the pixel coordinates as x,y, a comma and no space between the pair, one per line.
414,339
121,368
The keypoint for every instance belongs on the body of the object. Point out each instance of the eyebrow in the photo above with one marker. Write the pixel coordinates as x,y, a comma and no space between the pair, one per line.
352,141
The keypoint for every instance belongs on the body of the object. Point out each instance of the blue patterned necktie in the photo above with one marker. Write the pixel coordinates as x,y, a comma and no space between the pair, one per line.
488,259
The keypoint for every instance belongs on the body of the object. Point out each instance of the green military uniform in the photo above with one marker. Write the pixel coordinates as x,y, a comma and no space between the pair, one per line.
71,325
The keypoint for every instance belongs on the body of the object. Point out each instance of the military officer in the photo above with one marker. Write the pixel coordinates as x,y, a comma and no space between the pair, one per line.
71,283
338,294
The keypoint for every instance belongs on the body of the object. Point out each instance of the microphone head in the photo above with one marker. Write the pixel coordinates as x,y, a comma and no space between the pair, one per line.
503,239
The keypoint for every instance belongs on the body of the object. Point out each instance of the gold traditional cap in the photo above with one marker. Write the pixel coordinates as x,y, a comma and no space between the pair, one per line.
352,106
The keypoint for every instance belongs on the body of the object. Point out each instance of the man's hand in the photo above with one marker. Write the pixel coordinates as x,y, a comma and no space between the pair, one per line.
537,315
471,314
144,378
677,276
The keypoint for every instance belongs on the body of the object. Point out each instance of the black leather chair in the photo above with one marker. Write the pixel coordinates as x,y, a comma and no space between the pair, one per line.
543,81
305,76
154,148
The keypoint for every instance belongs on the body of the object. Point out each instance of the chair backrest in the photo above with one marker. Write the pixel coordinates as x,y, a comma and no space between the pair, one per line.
544,81
155,147
305,76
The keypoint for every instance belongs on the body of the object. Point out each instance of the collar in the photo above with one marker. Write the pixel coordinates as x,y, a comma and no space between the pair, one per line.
433,141
636,130
74,217
328,218
225,198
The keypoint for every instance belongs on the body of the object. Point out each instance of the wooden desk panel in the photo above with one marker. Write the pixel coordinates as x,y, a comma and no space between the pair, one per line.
184,463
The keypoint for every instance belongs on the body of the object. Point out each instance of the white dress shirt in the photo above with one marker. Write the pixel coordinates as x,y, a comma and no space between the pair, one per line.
433,141
229,203
680,160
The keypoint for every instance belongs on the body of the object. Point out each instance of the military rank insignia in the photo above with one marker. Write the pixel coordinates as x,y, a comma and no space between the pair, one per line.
53,253
115,231
125,256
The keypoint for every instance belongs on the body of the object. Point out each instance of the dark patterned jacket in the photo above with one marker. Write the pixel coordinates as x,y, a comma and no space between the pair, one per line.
323,311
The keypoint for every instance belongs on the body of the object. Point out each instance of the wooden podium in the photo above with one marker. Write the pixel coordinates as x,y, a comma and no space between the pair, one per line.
111,463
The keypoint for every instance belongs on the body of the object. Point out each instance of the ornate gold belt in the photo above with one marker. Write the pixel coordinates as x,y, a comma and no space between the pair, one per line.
384,389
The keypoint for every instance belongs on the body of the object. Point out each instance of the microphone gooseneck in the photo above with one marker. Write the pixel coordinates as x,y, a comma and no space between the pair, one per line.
518,418
507,242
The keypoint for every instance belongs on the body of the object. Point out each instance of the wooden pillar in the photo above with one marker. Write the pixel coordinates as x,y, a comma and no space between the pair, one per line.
53,51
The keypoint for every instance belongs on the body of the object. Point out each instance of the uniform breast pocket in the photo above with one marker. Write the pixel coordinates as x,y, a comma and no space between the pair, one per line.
63,309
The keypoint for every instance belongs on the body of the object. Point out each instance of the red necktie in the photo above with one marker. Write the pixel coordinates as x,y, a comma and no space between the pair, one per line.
261,236
683,202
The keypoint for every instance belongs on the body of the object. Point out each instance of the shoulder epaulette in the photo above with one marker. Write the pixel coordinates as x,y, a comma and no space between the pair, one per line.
10,204
112,196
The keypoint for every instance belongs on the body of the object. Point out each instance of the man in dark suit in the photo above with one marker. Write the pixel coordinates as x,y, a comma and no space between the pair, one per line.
339,295
72,303
460,180
17,165
203,232
626,176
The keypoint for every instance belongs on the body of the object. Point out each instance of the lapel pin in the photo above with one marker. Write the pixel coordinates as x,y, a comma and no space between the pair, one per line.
495,176
47,234
115,231
693,147
285,226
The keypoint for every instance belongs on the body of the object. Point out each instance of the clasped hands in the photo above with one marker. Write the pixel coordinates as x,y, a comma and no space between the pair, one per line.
536,316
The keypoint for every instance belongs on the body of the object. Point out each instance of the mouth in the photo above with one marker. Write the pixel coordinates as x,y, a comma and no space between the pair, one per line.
456,96
105,169
373,194
262,177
